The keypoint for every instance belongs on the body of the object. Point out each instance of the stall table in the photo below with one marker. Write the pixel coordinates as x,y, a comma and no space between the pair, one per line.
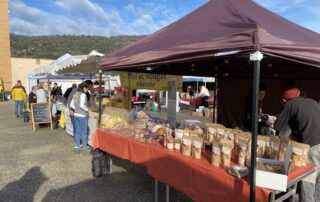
197,101
196,178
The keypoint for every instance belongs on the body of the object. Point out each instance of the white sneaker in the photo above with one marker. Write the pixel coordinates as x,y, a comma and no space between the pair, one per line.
78,148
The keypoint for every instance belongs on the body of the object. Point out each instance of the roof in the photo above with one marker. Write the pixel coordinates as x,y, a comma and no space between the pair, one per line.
239,26
70,64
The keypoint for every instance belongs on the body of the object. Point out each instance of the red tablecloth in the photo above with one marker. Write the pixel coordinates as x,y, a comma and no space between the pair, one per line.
195,178
197,101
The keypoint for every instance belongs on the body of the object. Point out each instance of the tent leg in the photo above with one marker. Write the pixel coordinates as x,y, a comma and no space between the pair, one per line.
109,89
215,102
100,97
197,86
256,57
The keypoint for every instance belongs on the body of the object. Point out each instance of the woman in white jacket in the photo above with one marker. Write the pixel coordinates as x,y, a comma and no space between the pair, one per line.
79,104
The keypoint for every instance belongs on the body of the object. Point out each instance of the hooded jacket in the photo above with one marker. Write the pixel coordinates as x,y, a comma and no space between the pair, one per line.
18,93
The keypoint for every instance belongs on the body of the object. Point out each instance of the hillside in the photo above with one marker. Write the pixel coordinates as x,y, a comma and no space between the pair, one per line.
52,47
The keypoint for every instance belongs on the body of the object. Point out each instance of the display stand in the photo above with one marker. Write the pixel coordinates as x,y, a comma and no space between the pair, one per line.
197,173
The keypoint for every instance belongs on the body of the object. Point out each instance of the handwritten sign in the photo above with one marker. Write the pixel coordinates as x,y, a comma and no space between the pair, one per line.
148,81
40,113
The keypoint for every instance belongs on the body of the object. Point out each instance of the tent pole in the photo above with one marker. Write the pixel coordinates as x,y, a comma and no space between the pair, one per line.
197,86
109,89
100,86
256,57
100,97
215,101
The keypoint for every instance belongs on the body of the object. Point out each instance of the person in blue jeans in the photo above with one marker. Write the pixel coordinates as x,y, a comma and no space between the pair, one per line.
19,96
80,106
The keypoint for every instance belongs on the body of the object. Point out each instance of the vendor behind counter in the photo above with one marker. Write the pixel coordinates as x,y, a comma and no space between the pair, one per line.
302,115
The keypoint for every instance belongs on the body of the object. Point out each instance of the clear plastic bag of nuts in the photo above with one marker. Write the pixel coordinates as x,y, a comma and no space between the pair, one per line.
299,154
261,146
197,143
186,146
226,149
216,154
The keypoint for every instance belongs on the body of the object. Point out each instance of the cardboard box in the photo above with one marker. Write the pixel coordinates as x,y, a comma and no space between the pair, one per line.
212,114
199,110
208,112
275,181
197,113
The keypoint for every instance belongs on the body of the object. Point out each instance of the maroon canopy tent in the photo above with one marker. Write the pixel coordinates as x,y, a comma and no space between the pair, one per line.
216,40
217,30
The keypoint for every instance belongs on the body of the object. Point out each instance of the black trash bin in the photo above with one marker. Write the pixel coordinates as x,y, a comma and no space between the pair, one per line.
99,162
26,116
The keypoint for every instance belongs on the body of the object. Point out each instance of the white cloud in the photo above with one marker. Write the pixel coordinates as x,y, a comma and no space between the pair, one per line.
83,18
149,17
281,6
89,18
303,12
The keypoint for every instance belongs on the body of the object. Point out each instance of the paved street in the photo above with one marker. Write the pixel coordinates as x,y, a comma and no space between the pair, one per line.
43,166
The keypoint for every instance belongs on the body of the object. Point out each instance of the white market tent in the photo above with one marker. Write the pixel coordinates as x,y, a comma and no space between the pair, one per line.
69,67
67,64
80,64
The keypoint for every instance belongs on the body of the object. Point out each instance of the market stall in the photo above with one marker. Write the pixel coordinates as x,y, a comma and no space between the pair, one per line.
103,89
74,68
227,39
196,178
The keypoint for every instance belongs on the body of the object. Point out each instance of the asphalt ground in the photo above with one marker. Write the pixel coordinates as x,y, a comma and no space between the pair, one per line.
44,166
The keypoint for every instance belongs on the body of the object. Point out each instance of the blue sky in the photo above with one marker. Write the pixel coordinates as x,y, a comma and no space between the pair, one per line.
129,17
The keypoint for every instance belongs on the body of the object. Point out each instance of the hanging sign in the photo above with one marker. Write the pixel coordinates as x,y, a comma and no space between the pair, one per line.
148,81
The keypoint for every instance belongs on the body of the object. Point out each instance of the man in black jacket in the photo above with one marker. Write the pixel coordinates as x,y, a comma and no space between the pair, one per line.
32,96
68,91
302,115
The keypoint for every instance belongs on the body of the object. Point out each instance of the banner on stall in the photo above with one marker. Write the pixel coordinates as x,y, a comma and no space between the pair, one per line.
148,81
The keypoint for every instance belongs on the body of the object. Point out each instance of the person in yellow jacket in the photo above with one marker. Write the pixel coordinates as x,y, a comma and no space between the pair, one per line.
19,96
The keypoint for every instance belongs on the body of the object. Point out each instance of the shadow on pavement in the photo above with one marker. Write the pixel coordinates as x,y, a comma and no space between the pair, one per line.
115,187
25,188
133,184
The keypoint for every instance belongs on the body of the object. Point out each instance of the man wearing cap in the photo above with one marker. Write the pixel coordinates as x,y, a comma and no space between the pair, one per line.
302,115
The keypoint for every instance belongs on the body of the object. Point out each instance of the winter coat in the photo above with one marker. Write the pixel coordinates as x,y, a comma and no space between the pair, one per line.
18,93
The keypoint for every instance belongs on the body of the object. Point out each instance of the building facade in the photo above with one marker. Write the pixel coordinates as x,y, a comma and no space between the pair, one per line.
22,66
5,67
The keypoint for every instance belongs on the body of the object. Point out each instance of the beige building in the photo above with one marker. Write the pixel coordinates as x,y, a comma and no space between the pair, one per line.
22,66
5,68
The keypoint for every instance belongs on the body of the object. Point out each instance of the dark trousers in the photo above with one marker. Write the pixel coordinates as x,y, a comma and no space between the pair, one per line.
205,101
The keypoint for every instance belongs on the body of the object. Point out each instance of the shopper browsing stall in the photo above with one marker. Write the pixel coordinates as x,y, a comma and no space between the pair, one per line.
204,95
80,105
69,90
71,110
89,94
42,94
302,115
32,96
56,92
190,91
